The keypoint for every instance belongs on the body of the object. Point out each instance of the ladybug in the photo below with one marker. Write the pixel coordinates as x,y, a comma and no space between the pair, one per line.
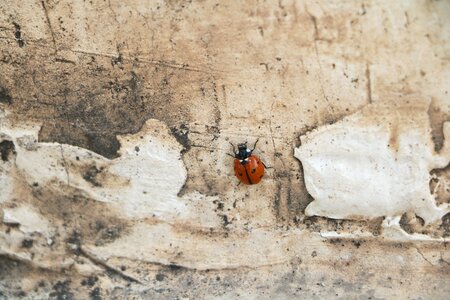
248,168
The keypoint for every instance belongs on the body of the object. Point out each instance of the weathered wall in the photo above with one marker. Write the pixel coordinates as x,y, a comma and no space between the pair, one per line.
115,122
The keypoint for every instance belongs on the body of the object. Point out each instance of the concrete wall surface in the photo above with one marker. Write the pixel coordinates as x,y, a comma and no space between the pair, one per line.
116,118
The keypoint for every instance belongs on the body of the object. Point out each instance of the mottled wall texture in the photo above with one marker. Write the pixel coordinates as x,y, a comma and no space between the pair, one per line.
116,118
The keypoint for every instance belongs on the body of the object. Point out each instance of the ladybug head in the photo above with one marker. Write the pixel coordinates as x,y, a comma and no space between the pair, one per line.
242,146
243,151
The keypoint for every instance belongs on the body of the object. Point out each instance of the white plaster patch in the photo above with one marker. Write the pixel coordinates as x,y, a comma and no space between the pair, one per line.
143,182
28,219
374,163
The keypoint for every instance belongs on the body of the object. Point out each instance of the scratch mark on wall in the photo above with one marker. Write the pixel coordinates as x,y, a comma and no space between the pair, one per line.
49,23
369,84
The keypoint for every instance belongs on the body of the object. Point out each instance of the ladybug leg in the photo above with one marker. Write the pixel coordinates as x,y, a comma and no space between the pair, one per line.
230,155
266,167
254,146
234,148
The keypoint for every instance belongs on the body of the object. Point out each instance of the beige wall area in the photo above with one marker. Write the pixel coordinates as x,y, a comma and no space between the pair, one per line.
116,119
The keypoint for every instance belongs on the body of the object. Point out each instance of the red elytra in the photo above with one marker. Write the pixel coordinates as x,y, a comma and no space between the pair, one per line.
248,168
250,171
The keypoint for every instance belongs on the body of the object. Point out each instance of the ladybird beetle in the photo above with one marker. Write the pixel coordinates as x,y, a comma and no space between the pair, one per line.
248,168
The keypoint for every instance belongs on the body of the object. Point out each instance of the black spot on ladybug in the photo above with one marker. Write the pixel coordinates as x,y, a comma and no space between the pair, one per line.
253,171
240,174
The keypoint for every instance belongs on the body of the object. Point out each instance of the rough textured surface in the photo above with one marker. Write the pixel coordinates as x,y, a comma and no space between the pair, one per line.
90,209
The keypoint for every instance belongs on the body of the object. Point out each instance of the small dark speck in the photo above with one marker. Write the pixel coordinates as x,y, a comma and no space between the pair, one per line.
18,35
136,149
4,96
77,158
21,294
35,184
27,243
95,294
160,277
90,281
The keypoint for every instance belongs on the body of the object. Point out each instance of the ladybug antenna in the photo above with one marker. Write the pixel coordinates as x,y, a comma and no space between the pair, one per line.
254,146
234,148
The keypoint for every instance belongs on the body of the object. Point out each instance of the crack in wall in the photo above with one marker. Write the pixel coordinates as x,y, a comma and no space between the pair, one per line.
368,84
98,261
49,23
423,256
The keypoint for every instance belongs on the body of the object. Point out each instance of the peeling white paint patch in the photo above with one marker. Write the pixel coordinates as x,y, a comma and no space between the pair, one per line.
143,182
374,163
28,219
